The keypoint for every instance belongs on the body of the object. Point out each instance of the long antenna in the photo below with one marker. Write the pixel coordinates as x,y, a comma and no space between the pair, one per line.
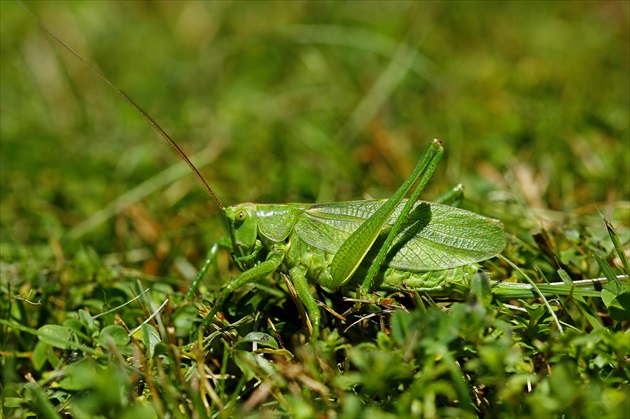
146,116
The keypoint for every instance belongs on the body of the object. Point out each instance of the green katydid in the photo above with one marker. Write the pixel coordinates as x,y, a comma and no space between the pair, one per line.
396,243
416,242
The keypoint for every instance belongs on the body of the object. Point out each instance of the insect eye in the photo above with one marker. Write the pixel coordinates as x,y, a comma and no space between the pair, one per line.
241,216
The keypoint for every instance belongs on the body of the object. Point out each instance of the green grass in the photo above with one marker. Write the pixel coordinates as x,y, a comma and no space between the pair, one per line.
309,102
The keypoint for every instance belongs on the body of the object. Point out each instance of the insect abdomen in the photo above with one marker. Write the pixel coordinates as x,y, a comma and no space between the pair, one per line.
441,283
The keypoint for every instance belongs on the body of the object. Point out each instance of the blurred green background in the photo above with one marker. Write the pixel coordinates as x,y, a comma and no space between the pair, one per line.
304,101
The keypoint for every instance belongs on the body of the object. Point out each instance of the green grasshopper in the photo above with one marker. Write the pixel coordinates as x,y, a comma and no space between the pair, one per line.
398,243
403,244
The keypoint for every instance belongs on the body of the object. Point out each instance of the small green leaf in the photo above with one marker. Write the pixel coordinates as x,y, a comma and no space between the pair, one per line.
58,336
115,333
150,338
87,320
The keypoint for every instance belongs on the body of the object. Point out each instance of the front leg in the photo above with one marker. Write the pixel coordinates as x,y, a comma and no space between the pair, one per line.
258,272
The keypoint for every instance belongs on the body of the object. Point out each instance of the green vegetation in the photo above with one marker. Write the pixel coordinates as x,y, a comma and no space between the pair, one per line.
309,102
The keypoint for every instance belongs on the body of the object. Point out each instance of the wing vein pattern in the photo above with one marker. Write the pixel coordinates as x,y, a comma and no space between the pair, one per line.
434,236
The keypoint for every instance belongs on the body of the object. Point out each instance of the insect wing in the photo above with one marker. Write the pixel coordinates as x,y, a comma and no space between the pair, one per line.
433,237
